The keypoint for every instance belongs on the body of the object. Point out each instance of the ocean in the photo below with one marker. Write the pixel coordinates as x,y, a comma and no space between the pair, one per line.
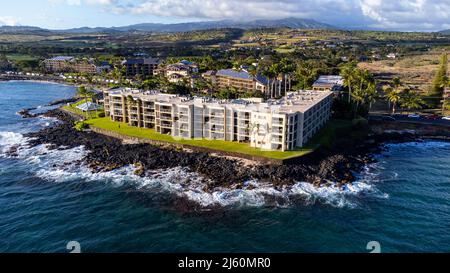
47,199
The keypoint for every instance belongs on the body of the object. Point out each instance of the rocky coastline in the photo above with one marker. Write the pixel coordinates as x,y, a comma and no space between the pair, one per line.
326,166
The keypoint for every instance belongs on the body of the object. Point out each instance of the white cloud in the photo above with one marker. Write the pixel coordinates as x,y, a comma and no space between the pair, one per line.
236,9
100,2
8,21
407,14
79,2
384,14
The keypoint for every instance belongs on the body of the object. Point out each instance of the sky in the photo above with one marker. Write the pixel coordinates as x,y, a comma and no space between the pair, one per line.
402,15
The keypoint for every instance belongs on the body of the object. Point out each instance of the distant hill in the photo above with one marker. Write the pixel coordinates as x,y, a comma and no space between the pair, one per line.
23,29
183,27
447,31
180,27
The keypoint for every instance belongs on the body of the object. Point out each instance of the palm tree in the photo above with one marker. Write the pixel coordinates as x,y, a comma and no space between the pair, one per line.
139,105
305,74
86,94
287,69
348,73
393,96
411,100
130,102
269,74
358,95
371,94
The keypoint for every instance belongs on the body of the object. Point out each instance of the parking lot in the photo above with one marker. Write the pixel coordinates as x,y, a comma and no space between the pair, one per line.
405,118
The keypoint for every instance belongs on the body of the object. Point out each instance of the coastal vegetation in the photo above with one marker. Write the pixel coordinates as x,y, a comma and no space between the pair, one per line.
440,82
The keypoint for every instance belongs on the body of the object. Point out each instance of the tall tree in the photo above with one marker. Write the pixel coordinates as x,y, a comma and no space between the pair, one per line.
393,96
439,81
86,94
411,100
348,73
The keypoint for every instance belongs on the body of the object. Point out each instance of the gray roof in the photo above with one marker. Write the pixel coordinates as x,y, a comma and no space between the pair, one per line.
142,61
234,74
329,80
88,106
62,58
261,79
242,74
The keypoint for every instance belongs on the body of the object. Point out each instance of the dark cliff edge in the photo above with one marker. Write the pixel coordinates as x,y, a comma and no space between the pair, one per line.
325,166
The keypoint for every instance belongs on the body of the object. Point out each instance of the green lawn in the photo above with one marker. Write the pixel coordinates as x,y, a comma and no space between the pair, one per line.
323,138
284,50
20,57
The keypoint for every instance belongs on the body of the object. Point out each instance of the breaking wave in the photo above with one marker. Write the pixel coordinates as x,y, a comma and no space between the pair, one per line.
9,140
64,165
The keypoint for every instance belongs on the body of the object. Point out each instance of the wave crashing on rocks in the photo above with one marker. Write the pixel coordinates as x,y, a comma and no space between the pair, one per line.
67,165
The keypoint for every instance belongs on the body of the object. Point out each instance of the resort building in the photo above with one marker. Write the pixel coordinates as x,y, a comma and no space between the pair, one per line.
279,125
71,64
83,66
329,83
180,71
58,64
143,66
243,81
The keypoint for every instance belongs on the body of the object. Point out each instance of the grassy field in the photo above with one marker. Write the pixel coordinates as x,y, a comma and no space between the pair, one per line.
20,57
322,138
415,70
285,50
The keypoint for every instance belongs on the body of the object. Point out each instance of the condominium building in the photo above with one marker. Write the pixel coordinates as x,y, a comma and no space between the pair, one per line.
281,124
143,66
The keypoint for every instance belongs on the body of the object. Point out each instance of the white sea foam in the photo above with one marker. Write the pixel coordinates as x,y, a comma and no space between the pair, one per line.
420,144
59,166
65,166
10,139
48,121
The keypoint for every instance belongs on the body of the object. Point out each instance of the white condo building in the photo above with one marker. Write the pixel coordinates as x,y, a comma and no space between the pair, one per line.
281,124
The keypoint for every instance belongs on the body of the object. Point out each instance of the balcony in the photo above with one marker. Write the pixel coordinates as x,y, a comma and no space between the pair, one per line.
166,124
166,117
165,110
277,139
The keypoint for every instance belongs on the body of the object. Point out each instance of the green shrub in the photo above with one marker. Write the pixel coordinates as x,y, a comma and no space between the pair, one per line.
81,125
101,114
360,122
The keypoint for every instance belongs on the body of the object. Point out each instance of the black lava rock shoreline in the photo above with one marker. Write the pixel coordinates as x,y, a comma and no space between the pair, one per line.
319,168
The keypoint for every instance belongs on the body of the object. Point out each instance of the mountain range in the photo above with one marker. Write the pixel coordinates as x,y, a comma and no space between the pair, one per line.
297,23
